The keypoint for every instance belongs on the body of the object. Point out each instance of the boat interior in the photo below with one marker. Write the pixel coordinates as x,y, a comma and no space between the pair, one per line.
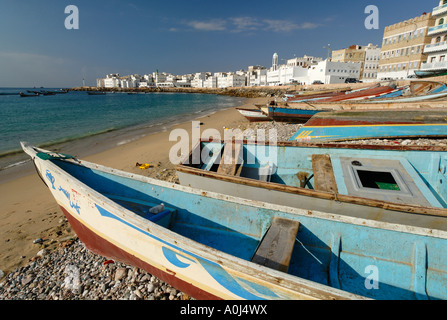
405,177
354,258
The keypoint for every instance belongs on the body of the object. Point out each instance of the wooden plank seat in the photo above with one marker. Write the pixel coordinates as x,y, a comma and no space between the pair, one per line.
275,249
323,173
230,159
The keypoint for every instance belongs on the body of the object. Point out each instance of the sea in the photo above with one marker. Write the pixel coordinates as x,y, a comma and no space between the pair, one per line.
76,120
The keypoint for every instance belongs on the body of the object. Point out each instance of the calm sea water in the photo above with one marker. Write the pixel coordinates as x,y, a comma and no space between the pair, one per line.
47,120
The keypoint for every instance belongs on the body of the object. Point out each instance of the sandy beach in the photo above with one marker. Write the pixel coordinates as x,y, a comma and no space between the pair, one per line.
29,212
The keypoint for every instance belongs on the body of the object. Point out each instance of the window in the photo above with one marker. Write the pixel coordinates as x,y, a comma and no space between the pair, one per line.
441,21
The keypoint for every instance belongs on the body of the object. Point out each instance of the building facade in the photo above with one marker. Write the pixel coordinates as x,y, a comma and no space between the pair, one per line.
368,57
329,72
403,47
436,50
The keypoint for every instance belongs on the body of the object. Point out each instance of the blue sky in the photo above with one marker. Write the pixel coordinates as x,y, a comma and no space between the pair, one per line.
177,36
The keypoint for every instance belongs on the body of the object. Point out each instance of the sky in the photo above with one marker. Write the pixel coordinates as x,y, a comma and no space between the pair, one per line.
177,36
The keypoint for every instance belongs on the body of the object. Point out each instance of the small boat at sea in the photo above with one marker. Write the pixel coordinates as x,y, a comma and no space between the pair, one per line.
9,94
374,124
215,246
401,184
25,95
253,115
96,93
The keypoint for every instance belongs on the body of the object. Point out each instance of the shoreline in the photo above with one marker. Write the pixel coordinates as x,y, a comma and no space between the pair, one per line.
15,162
29,212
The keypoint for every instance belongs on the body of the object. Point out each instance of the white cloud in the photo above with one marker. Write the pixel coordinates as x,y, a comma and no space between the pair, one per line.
247,24
211,25
286,26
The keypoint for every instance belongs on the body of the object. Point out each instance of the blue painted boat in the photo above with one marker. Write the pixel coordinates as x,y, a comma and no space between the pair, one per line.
364,124
214,246
399,184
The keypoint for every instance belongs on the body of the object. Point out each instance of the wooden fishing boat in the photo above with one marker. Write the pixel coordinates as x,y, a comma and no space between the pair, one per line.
301,112
316,96
361,94
214,246
425,87
381,183
371,124
253,115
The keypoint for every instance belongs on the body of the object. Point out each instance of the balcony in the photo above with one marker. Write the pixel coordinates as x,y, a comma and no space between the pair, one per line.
435,47
434,66
438,29
439,10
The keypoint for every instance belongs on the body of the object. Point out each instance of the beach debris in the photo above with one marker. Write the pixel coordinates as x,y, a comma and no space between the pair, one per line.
143,166
38,241
73,279
43,253
157,209
108,262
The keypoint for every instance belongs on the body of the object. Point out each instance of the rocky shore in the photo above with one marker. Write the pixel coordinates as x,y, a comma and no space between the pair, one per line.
72,272
244,92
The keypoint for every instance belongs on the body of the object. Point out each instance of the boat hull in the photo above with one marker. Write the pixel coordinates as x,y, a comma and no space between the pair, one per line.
346,125
253,115
283,114
105,248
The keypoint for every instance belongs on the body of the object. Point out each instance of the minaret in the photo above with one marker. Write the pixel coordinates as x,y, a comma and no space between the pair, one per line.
275,61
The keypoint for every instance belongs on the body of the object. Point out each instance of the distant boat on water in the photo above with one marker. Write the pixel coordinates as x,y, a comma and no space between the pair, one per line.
96,93
25,95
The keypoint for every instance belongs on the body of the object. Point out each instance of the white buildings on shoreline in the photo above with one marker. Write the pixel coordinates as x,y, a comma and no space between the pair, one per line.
303,70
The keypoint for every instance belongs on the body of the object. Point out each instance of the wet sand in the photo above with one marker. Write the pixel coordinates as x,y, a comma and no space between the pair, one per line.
29,212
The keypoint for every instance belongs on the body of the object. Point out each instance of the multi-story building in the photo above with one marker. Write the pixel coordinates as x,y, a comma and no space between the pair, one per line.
368,57
303,62
403,47
329,72
436,50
